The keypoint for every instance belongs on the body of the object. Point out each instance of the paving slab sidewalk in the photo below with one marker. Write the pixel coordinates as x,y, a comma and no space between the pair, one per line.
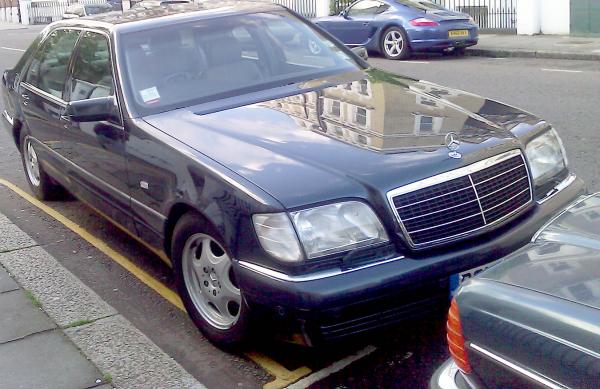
537,46
56,333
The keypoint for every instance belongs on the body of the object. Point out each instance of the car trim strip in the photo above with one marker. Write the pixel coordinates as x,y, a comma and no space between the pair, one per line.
453,174
276,275
44,94
547,382
106,184
558,188
8,118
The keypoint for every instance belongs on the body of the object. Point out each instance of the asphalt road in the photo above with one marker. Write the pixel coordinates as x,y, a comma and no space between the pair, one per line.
567,93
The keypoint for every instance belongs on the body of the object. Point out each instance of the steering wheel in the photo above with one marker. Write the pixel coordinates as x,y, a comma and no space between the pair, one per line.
177,77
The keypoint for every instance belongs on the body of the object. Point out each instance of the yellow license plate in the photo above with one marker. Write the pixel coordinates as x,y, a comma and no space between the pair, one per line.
458,33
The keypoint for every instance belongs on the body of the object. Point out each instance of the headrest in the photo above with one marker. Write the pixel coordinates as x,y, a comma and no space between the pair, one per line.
222,49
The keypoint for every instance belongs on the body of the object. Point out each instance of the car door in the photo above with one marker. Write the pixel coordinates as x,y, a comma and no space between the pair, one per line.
41,96
356,27
96,150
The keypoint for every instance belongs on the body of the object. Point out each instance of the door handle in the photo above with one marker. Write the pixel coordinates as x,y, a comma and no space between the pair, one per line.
365,23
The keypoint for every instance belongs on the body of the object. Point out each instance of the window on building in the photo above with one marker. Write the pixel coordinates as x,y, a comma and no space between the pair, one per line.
361,116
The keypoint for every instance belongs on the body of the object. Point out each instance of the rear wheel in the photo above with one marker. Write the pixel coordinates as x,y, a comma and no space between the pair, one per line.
394,44
42,185
206,282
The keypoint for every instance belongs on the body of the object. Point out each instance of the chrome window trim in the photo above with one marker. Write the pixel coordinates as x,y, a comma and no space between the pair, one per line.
9,119
547,382
106,184
113,62
276,275
44,94
451,175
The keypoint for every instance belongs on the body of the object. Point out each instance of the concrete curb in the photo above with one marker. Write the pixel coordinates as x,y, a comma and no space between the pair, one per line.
507,53
106,338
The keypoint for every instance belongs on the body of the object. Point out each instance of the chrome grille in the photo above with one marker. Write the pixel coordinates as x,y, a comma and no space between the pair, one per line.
457,203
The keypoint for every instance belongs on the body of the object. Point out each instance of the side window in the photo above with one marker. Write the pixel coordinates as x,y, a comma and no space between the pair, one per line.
48,70
298,46
92,72
367,8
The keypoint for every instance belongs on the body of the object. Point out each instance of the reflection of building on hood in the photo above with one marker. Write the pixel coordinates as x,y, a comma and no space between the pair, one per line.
381,117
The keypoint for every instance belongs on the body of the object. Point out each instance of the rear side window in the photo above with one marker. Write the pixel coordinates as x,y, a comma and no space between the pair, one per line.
421,5
367,8
92,71
48,70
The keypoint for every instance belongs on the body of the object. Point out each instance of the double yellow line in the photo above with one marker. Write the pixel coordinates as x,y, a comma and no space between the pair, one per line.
283,376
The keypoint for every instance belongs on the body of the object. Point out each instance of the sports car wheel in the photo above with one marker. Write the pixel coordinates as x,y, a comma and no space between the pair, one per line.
42,185
394,44
206,282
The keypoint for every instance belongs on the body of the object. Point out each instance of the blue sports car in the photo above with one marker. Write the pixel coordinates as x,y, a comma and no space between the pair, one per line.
395,28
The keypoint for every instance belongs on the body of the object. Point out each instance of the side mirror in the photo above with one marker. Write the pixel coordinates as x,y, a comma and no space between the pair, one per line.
93,110
344,14
361,52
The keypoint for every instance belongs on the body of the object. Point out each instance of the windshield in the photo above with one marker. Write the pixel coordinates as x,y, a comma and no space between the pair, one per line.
194,62
422,5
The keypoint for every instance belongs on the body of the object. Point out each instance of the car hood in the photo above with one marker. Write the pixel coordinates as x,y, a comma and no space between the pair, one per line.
353,135
564,260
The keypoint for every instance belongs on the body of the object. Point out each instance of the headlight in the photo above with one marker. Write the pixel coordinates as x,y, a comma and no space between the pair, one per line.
546,156
338,227
324,230
277,236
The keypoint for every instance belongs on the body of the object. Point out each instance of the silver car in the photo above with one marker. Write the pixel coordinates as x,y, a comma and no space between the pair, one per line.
533,319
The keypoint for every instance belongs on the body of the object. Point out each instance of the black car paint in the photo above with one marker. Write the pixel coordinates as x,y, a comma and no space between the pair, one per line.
244,155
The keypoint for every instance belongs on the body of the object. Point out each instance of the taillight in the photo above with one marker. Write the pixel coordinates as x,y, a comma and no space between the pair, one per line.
424,22
456,341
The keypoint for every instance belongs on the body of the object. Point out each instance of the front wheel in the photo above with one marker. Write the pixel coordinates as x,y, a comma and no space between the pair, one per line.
394,44
206,282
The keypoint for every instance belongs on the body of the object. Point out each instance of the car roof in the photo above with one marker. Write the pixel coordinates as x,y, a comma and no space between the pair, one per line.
132,20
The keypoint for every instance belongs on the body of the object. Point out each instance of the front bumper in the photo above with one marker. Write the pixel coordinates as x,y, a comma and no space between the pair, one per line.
331,305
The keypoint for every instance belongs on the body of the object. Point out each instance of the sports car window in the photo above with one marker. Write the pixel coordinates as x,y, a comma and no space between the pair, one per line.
367,8
421,5
92,72
48,69
207,60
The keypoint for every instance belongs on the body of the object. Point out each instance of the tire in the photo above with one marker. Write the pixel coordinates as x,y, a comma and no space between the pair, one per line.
41,184
457,51
460,51
206,284
394,44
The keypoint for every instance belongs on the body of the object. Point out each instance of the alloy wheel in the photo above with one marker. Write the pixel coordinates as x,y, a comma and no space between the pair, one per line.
32,164
393,43
209,280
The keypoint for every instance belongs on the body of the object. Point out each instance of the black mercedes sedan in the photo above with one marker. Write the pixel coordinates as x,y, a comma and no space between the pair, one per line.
279,174
533,319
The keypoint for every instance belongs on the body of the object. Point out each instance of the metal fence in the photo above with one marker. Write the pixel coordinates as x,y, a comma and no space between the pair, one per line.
42,12
306,8
338,6
492,15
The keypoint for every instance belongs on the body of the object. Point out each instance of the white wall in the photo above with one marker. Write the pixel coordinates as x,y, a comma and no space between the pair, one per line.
543,17
555,16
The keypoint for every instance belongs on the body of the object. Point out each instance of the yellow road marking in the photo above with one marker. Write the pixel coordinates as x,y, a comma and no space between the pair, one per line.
283,377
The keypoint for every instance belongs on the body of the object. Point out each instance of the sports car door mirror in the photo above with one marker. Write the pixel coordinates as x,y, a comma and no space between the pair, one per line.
93,110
